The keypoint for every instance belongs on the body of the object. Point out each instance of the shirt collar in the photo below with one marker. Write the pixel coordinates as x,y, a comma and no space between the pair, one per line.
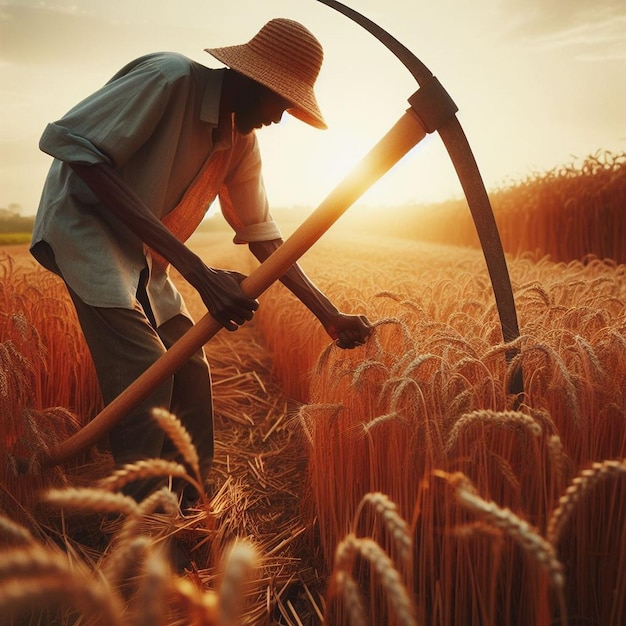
210,110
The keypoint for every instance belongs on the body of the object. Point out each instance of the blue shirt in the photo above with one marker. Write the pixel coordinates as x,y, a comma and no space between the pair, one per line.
154,122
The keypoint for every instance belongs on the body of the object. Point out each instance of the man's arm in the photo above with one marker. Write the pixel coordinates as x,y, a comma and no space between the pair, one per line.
349,330
220,290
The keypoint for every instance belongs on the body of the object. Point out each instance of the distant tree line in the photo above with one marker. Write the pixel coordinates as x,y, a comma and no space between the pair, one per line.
12,222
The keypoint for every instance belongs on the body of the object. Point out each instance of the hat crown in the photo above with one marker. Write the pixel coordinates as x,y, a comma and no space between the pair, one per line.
290,47
285,57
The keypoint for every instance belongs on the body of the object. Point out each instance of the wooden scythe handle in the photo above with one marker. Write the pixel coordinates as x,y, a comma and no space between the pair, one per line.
404,135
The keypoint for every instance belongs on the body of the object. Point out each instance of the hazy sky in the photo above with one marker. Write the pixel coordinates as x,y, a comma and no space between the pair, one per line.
538,83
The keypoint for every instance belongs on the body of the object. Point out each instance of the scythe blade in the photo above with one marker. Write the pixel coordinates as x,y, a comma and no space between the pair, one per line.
458,148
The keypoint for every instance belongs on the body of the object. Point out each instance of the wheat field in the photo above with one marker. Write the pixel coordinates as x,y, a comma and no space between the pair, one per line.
397,483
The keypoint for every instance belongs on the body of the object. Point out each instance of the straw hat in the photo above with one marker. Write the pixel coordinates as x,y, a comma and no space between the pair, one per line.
285,57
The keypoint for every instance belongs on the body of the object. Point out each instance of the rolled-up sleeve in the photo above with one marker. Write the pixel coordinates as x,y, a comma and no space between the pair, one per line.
243,199
110,126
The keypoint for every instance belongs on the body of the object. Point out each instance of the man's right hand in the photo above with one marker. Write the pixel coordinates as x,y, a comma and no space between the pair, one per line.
221,293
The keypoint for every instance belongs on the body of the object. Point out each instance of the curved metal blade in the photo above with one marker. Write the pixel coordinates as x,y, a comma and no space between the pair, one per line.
467,170
419,71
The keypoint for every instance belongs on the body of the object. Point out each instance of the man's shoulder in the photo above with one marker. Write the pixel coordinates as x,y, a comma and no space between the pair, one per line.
171,65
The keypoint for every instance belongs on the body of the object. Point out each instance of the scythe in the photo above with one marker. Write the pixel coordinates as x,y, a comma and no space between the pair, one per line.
437,112
431,109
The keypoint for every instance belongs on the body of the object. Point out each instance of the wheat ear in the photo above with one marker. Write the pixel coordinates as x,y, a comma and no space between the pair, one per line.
181,439
200,606
96,500
14,532
580,485
240,561
395,525
118,561
347,588
527,537
150,468
154,589
506,419
33,575
397,594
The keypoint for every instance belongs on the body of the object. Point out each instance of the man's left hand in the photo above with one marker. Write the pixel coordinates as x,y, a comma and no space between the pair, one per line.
350,331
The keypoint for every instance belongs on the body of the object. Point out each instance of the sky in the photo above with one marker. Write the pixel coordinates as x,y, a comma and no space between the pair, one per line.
538,84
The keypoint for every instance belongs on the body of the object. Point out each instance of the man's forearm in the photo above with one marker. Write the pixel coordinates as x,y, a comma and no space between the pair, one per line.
298,283
129,209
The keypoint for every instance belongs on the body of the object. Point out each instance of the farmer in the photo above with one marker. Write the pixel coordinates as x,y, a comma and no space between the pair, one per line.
136,166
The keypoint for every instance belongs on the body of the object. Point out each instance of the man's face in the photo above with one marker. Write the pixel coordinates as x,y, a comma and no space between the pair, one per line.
258,106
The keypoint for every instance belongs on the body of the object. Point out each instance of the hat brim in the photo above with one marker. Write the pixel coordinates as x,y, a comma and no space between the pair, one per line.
246,61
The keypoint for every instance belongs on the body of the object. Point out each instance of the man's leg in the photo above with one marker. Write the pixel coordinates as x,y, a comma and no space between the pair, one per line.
123,345
192,400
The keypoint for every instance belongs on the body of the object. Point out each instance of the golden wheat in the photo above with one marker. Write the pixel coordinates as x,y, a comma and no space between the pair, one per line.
96,500
155,582
377,420
392,521
397,595
581,485
504,419
31,575
240,562
13,533
347,589
518,529
150,468
181,439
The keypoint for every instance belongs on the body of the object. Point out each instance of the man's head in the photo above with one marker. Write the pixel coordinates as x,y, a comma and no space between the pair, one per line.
284,60
253,104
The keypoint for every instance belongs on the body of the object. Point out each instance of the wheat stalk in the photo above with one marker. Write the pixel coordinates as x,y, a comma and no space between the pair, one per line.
578,488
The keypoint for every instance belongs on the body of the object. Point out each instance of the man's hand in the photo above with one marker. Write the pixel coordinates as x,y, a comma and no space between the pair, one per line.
221,293
349,330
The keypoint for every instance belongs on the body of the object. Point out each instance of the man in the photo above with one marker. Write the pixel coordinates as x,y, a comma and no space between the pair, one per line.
137,165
